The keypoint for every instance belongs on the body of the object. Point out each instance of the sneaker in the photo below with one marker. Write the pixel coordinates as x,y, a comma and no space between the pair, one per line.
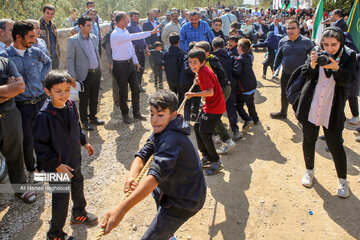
216,139
205,162
87,219
358,139
58,236
308,178
193,117
237,135
358,129
343,189
173,238
186,123
263,76
214,168
354,120
247,125
226,146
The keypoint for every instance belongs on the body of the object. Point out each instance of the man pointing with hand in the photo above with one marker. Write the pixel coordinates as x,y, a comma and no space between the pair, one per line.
125,61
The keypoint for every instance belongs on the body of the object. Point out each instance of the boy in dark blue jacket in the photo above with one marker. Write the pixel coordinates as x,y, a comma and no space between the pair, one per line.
175,175
246,87
173,59
156,56
271,42
57,140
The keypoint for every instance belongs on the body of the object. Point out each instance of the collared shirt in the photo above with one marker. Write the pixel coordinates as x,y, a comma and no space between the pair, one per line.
257,14
3,46
292,54
169,28
122,48
94,30
135,28
321,103
188,34
90,52
28,67
52,39
41,44
227,19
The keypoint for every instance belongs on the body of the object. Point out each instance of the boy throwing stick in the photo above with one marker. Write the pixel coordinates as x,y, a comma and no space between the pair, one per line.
175,175
57,138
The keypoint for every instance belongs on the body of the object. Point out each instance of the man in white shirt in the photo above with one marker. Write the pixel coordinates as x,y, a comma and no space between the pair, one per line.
227,19
125,60
6,26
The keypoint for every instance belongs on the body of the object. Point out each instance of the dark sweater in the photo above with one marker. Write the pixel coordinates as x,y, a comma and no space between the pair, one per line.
219,71
54,143
176,167
156,57
226,62
173,60
244,74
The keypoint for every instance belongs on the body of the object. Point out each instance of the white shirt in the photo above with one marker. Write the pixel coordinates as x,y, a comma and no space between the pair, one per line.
19,51
122,48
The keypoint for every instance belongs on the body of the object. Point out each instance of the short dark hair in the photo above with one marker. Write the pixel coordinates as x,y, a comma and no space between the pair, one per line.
217,19
235,25
289,21
193,13
56,77
233,30
22,28
218,42
119,16
157,44
198,53
245,44
174,38
83,19
204,45
134,12
191,45
89,2
49,7
164,99
333,32
234,38
338,12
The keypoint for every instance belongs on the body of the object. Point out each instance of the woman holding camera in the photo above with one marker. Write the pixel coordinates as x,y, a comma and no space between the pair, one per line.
322,101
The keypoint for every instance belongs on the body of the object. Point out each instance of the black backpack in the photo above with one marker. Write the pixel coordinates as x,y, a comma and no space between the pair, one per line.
295,85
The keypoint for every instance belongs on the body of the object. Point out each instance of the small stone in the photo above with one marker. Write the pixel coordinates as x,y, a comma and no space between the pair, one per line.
134,227
268,128
262,201
302,229
188,237
238,221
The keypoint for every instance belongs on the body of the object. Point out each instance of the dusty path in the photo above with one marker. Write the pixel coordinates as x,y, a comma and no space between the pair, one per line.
258,195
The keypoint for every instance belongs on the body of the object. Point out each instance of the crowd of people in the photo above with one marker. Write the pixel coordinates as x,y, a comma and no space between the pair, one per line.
211,46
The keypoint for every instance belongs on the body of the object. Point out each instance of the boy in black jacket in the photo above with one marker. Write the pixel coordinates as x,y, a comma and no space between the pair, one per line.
173,59
156,56
58,139
175,175
246,88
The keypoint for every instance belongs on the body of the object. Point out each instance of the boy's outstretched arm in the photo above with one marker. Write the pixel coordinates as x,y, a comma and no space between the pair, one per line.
115,215
135,169
206,93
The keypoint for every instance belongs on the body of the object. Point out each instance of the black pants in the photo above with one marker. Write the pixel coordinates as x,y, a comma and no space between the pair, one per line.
11,146
89,98
334,142
60,203
231,111
141,58
192,105
284,101
158,73
28,114
241,100
125,73
204,129
269,62
354,106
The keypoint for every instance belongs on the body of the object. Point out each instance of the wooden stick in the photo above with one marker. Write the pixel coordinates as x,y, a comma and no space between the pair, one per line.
146,167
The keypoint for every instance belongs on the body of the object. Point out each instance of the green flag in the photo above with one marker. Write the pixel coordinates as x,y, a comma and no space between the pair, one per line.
288,7
283,6
316,21
354,23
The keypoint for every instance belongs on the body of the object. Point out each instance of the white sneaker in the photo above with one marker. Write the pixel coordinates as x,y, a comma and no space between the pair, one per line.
354,120
343,189
308,178
216,139
225,147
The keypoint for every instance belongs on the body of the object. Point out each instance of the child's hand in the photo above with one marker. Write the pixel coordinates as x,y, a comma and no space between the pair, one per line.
63,168
112,219
189,95
130,184
89,148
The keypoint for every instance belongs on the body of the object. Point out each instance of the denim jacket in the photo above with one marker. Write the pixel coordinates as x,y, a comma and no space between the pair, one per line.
28,67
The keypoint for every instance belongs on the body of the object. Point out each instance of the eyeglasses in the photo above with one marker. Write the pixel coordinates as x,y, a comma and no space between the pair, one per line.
293,28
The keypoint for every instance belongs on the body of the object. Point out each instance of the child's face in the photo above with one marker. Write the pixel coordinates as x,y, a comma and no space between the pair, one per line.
217,26
59,93
195,64
240,51
158,48
160,118
232,43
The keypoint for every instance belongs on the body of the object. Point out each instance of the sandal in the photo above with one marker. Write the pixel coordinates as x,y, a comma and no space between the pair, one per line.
27,197
214,168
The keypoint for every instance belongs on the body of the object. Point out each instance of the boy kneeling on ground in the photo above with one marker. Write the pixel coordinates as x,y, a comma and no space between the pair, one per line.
175,176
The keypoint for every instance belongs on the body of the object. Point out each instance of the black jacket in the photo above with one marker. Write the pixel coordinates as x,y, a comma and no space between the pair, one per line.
156,57
343,77
53,142
186,75
226,62
244,74
219,71
173,60
342,25
176,167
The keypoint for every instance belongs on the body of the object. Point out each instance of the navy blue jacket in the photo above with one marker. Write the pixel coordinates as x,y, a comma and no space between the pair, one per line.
280,27
233,52
53,143
147,26
272,41
176,167
186,75
214,64
244,74
173,59
156,57
226,62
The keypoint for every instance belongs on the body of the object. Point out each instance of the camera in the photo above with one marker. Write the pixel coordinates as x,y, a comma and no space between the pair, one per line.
323,58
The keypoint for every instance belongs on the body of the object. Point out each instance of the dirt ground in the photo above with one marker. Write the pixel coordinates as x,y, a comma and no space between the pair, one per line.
258,195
